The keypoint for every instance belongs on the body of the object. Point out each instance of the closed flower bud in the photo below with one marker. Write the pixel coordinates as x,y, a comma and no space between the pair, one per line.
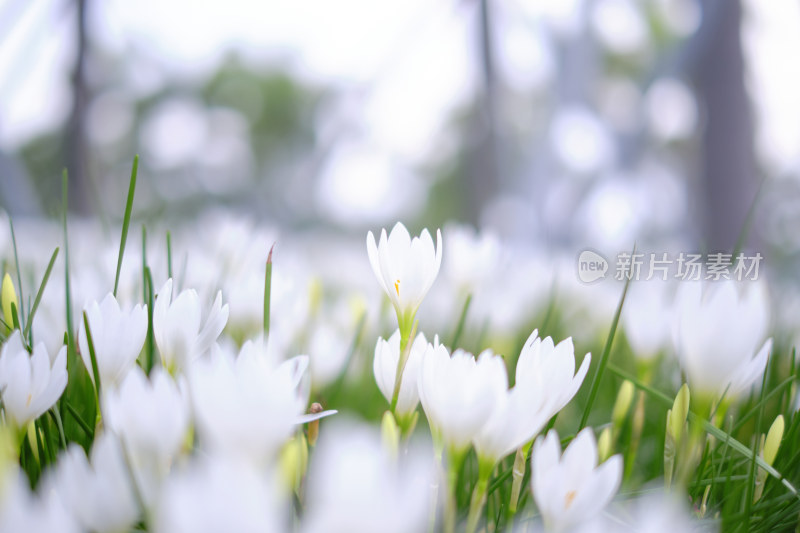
8,296
680,410
390,433
623,403
773,442
604,444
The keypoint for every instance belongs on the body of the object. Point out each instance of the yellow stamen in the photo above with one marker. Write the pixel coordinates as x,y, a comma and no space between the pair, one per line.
569,498
397,287
28,402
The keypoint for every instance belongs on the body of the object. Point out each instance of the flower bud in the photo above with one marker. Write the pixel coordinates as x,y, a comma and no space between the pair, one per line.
8,296
313,426
773,442
623,403
294,460
680,410
390,433
315,294
604,444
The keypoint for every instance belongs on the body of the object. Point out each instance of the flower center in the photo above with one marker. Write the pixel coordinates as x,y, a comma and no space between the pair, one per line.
569,498
397,287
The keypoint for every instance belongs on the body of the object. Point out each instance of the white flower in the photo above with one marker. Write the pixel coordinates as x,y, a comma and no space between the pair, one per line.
30,384
117,338
152,418
248,407
717,335
217,494
356,486
571,489
458,393
549,368
23,510
99,492
328,350
384,366
405,267
646,317
472,258
544,385
176,326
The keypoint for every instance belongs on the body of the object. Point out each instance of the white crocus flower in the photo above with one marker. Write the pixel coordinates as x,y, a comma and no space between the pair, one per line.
29,383
23,510
551,369
249,406
98,492
717,336
387,354
151,417
219,494
571,489
458,393
356,485
117,338
176,326
545,382
406,268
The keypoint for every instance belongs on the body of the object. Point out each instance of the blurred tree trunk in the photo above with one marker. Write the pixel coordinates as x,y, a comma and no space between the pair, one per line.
17,194
483,168
75,141
729,179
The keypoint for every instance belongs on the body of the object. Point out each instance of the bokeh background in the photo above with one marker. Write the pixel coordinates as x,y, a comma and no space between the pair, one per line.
569,123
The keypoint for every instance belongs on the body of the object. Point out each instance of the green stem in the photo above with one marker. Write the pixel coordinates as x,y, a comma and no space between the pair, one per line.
479,495
406,342
461,320
437,452
517,474
456,459
267,292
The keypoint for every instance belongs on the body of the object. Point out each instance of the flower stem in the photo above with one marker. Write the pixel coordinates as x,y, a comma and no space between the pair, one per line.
437,452
406,342
479,495
517,474
455,460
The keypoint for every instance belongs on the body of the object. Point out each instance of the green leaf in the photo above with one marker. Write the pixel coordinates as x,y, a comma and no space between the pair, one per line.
39,293
598,375
126,221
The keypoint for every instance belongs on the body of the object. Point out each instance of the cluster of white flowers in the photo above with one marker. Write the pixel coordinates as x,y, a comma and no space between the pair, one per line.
468,402
179,411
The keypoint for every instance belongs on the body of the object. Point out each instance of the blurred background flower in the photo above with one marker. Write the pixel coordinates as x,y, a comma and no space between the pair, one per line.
568,124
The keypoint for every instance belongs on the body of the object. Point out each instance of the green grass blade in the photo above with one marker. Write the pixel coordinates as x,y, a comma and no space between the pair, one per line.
55,412
68,296
598,375
92,356
39,293
267,291
81,422
748,222
150,340
16,264
461,320
126,221
169,255
708,427
15,318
